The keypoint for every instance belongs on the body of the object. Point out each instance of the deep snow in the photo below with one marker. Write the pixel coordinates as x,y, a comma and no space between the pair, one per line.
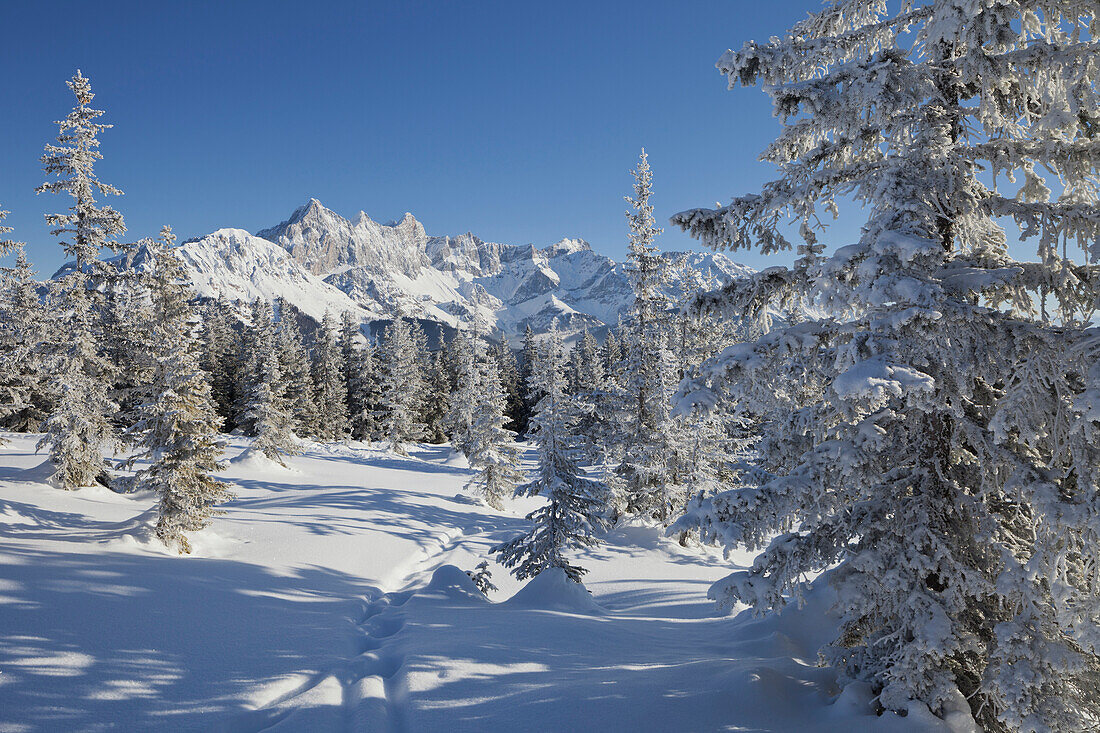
329,597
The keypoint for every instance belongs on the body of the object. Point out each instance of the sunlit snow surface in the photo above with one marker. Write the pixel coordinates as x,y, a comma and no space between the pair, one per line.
329,598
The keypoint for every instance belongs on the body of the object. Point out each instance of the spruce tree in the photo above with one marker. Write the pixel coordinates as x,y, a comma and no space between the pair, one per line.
364,393
256,344
296,373
527,390
348,343
23,323
219,354
647,476
178,428
613,354
272,424
466,352
931,424
427,403
510,382
490,447
328,377
79,427
438,388
575,504
401,385
17,383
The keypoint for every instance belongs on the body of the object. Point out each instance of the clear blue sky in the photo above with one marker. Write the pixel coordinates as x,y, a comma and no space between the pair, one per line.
517,121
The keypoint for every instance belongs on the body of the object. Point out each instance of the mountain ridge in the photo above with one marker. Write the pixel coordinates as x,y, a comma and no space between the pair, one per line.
318,261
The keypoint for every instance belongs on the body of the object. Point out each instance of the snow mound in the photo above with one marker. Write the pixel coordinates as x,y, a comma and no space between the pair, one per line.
40,474
255,460
138,532
553,590
457,459
453,583
43,474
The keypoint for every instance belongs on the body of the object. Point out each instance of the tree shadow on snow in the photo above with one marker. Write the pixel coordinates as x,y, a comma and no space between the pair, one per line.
74,655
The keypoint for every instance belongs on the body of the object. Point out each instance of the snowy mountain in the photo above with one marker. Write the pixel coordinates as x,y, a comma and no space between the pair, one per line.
241,267
319,261
453,280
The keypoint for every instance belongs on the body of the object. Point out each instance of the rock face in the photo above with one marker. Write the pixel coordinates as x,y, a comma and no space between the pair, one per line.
319,261
327,243
454,280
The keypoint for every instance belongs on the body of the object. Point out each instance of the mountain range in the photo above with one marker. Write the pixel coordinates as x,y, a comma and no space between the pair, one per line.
319,261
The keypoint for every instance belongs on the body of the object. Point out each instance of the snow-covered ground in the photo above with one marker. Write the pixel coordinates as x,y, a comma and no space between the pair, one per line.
329,597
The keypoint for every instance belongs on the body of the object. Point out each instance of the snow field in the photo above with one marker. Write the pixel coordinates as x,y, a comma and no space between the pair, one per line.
329,597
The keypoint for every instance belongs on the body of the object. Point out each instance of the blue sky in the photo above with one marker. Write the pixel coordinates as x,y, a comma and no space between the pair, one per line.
519,121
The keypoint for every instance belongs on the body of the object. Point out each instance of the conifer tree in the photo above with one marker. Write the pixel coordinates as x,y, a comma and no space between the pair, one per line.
527,391
574,506
129,333
401,386
438,387
427,402
256,344
510,382
16,382
613,354
296,373
348,343
24,384
364,394
79,427
178,428
931,424
491,448
267,412
645,470
219,355
328,376
462,401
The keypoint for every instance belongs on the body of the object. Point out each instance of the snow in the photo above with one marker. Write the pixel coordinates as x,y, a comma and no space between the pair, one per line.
331,596
552,589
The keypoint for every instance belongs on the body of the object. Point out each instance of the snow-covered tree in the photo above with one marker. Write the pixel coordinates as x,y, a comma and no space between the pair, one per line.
79,427
575,504
613,354
490,447
24,384
402,381
438,385
256,343
219,356
348,341
646,472
428,403
467,357
931,426
364,393
527,392
267,412
589,385
510,381
296,373
482,577
178,429
587,369
18,334
129,340
328,376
